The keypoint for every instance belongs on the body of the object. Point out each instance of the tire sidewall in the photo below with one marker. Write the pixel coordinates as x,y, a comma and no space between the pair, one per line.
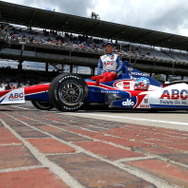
39,105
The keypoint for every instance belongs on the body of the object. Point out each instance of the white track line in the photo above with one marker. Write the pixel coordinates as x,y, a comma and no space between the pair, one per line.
137,119
24,108
128,118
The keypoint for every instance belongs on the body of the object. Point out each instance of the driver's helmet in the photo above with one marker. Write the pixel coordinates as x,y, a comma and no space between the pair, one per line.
142,84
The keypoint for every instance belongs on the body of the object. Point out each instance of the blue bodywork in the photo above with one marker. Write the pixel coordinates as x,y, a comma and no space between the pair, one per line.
97,93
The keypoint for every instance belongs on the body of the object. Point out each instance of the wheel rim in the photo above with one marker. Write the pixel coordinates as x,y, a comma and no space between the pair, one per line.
70,92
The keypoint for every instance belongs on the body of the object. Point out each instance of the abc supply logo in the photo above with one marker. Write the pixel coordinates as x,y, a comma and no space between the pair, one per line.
175,94
16,96
128,102
174,97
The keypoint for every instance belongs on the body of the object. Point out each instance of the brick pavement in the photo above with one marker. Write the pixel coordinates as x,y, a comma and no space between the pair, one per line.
50,149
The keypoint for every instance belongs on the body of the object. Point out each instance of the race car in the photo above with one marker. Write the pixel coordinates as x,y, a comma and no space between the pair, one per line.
132,89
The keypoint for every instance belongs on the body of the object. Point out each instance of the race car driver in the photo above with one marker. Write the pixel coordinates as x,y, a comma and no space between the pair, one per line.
109,65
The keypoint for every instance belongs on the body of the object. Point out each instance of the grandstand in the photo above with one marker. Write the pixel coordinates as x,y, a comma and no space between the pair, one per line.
31,34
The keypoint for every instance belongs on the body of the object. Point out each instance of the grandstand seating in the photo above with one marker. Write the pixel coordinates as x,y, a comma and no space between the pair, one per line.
78,43
177,56
85,44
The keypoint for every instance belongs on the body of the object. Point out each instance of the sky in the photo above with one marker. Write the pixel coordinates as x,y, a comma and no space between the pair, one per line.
162,15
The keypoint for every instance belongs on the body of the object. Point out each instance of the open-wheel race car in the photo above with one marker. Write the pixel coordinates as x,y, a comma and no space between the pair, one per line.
132,89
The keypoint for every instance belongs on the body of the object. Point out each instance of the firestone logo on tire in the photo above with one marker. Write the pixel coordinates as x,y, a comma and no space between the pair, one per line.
68,77
75,107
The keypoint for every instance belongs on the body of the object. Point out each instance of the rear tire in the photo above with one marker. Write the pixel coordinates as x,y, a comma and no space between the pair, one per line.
68,92
42,105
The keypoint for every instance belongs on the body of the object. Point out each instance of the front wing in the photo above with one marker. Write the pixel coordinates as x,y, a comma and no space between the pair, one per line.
20,95
15,96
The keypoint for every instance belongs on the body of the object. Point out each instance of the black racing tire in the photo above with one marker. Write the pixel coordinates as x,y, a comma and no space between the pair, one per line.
42,105
68,92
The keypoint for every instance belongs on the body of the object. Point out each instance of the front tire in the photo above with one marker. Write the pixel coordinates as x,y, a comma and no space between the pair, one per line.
68,92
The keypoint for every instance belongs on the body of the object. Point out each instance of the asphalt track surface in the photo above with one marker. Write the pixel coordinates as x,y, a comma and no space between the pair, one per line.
94,148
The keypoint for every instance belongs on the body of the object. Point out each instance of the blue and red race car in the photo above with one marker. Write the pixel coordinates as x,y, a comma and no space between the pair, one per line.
132,89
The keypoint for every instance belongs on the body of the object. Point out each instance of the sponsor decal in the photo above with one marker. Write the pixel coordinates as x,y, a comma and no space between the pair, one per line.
126,85
108,63
144,106
128,102
139,73
176,97
173,102
142,101
175,94
122,84
107,91
13,97
145,100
